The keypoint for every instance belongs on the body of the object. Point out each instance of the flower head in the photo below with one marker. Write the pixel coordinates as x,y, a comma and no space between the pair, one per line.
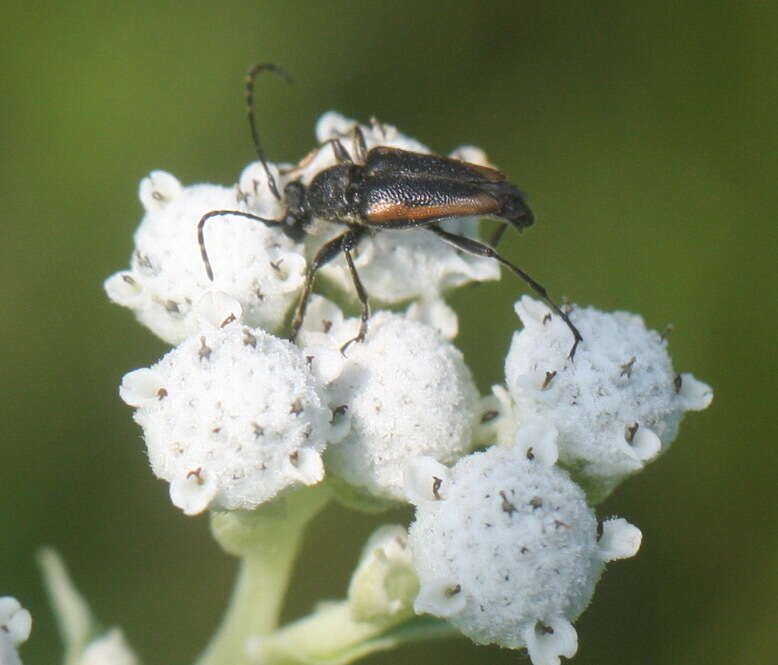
404,391
506,549
231,417
613,408
254,263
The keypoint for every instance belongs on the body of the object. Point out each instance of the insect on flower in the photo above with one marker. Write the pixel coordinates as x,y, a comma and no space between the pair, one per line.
387,188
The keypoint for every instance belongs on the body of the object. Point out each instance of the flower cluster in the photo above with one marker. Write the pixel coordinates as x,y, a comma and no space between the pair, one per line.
505,544
612,410
507,549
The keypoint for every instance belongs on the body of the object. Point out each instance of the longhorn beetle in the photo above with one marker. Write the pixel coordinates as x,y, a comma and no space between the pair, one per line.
387,188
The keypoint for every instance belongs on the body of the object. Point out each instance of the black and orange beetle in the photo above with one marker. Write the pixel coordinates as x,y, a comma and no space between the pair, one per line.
388,188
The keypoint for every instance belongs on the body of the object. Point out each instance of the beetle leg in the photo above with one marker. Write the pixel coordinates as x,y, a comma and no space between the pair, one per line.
348,244
360,147
220,213
498,233
341,154
477,248
326,253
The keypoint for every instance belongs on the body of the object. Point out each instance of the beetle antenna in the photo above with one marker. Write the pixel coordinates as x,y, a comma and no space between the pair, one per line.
251,110
220,213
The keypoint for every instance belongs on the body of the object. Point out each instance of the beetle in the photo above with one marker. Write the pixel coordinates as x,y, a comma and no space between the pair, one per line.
387,188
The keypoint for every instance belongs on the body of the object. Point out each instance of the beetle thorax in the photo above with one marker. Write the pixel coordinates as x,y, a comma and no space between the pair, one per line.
334,194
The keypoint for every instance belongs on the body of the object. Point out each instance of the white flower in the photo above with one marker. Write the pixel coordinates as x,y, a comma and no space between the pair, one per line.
506,549
405,392
613,408
231,417
254,263
619,539
15,626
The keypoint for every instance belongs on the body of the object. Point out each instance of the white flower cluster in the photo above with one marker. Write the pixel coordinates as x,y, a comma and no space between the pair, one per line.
257,265
404,392
15,626
613,409
231,417
505,544
506,548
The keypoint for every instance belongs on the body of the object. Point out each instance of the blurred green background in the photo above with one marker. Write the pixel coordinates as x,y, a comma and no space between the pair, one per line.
645,134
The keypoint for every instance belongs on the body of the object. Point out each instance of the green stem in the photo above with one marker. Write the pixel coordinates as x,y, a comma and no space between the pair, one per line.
331,636
267,540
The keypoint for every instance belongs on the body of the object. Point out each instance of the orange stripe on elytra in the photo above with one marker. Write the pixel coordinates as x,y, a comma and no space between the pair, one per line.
386,211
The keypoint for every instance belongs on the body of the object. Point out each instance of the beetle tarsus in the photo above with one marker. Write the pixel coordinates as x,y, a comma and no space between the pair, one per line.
348,245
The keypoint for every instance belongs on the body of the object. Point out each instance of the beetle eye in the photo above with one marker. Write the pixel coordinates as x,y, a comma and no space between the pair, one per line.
294,194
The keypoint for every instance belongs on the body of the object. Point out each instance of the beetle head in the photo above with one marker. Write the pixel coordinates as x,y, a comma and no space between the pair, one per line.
297,217
515,209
